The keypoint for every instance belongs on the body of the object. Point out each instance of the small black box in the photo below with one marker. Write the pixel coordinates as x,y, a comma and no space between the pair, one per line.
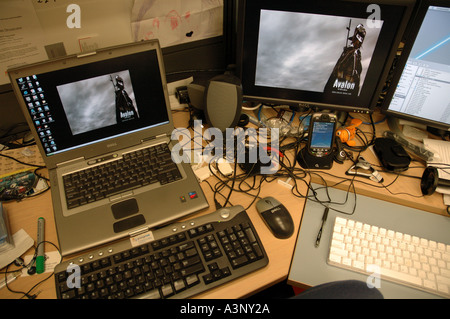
181,93
391,154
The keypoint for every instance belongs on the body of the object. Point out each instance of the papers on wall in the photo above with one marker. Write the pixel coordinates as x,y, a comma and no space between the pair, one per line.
177,21
20,36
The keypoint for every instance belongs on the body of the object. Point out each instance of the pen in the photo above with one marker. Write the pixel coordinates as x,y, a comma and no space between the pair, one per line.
324,219
40,258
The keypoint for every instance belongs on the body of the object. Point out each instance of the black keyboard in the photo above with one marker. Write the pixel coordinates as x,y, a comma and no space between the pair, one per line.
132,170
183,260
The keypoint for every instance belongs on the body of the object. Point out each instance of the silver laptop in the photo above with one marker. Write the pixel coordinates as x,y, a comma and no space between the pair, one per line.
92,114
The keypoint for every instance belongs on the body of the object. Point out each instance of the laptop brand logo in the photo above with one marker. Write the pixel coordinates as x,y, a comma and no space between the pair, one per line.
111,145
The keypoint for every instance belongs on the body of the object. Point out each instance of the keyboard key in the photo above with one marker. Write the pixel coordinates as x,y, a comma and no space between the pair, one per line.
192,270
192,280
167,290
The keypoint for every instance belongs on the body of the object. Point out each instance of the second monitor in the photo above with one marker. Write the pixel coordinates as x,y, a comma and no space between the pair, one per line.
324,54
420,88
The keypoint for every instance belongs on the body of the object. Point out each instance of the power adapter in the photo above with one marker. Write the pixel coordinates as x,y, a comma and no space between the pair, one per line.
224,168
202,173
181,93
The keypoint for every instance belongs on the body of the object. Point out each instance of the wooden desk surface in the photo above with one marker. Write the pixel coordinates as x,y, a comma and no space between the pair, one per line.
24,215
402,188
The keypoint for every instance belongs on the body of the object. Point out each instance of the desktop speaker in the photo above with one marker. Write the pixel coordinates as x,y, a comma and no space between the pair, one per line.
196,92
223,101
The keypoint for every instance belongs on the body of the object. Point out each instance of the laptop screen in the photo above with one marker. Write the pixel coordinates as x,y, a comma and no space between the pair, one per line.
85,104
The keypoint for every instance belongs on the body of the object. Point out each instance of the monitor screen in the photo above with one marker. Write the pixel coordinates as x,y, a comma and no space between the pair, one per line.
73,107
420,90
322,54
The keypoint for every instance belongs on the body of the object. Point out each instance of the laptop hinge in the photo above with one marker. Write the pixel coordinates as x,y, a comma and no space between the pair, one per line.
82,55
139,231
141,236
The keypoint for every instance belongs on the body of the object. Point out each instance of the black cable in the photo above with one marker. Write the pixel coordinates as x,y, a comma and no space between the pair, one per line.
241,183
27,294
23,163
234,179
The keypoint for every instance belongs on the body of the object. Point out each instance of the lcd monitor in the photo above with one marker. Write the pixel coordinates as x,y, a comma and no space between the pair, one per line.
331,55
420,87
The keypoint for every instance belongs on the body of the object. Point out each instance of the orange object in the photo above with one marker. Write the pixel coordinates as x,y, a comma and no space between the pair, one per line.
347,134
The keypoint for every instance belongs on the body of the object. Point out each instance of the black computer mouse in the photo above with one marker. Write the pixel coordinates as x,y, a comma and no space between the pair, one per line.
276,217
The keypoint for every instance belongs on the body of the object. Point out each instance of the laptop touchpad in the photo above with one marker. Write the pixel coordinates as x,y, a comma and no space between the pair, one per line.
129,223
124,209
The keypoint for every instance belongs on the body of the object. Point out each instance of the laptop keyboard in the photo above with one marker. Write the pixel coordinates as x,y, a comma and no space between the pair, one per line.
183,260
135,169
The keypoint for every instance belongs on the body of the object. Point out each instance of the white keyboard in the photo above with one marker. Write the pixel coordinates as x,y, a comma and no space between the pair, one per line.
394,256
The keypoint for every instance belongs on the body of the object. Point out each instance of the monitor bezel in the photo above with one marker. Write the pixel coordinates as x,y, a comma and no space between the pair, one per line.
283,96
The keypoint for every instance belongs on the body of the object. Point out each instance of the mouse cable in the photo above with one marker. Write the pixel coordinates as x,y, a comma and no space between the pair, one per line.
221,184
216,202
242,183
